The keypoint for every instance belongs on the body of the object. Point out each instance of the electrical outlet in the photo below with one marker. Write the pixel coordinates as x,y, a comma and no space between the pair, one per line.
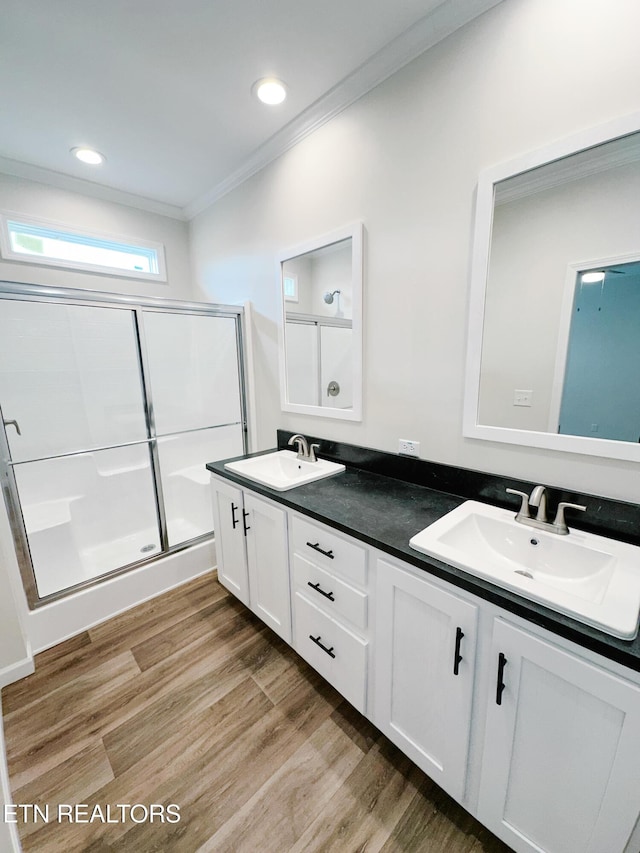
522,398
408,448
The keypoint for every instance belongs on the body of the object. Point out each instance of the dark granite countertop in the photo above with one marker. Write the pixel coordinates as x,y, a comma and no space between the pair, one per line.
385,513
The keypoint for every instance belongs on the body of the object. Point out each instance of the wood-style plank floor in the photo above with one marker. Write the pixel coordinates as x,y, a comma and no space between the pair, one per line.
189,700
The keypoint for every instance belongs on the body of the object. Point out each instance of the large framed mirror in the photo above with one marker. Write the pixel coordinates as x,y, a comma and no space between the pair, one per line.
553,355
320,284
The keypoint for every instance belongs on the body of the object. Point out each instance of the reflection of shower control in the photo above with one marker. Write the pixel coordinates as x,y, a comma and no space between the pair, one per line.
333,389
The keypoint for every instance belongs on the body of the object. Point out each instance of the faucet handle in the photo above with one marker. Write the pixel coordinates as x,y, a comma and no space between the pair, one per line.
523,512
312,452
559,522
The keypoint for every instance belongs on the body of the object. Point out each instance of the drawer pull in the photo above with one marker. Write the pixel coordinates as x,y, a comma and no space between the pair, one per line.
502,662
245,516
317,588
457,657
316,640
316,547
234,520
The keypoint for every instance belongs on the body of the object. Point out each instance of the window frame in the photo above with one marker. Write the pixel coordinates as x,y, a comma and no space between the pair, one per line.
8,254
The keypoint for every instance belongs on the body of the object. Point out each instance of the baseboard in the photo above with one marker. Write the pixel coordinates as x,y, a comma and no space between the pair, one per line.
53,623
16,671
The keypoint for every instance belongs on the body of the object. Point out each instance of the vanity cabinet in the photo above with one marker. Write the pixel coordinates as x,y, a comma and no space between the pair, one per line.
537,738
331,607
558,750
425,665
252,553
561,759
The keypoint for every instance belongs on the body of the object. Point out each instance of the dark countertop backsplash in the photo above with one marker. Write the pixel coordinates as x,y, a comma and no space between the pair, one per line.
603,516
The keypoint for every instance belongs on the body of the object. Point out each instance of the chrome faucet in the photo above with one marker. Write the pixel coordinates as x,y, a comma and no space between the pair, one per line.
538,499
305,452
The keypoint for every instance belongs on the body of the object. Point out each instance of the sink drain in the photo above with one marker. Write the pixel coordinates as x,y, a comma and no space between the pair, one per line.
524,574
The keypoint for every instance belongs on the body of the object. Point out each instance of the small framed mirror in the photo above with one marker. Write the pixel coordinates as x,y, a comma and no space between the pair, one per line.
554,319
320,285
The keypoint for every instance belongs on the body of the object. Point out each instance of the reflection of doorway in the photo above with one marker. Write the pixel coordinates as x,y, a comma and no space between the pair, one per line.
600,395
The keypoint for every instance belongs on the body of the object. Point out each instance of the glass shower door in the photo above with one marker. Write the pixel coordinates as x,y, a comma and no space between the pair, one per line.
197,411
73,411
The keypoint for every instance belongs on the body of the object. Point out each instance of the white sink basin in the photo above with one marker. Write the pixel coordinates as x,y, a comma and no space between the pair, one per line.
594,579
282,470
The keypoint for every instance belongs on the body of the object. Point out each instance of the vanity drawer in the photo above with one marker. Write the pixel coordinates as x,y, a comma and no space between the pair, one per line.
330,593
332,650
328,550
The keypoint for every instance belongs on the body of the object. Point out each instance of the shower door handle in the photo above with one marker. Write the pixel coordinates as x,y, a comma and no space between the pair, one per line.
12,423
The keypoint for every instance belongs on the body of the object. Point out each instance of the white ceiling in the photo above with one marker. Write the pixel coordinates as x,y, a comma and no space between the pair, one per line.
163,87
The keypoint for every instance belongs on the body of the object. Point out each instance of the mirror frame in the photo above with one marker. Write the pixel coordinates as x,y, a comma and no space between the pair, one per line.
480,259
355,232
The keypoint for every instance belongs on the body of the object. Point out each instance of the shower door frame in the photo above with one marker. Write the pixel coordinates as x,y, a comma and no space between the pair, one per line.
136,305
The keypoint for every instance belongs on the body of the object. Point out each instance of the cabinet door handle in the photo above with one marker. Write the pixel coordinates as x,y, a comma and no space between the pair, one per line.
316,640
234,520
317,588
316,547
500,685
457,657
246,526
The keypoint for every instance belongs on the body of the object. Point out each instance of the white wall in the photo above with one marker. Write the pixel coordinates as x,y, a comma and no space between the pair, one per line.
15,651
405,159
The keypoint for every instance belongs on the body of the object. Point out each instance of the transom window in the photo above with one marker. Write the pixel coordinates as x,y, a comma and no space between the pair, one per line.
25,239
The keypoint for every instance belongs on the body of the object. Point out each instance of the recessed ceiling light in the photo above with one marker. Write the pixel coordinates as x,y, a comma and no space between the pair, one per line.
270,90
592,277
89,156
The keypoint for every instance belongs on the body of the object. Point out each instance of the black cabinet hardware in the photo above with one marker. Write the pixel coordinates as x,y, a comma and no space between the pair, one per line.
317,588
502,662
316,640
457,657
316,547
246,526
234,520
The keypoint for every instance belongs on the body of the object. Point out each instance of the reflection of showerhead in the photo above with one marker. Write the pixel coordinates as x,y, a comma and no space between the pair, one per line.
328,297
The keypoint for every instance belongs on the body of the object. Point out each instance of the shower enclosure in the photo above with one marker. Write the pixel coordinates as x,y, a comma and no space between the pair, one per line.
319,360
110,407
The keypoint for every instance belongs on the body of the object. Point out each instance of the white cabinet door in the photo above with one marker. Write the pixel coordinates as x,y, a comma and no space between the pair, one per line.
425,641
229,528
561,759
267,556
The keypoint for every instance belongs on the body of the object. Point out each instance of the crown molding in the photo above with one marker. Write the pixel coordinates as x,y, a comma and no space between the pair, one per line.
445,19
442,21
18,169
